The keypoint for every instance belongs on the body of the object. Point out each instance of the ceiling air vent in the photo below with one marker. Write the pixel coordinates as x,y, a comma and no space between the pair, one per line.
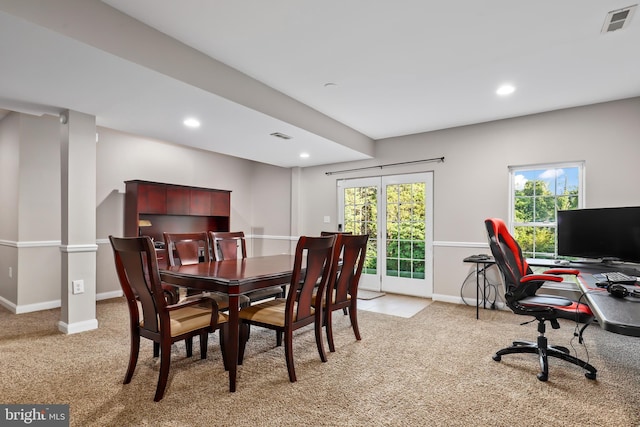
618,19
280,135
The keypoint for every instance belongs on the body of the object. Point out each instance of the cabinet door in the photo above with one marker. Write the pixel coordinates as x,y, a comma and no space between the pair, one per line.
220,203
178,201
152,199
200,202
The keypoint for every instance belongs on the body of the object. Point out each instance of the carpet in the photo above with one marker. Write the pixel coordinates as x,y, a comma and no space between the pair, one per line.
434,369
367,295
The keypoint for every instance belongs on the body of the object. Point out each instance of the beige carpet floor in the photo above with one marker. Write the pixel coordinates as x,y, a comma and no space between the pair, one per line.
434,369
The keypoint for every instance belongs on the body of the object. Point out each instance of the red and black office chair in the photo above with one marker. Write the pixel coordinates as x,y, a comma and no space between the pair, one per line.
521,287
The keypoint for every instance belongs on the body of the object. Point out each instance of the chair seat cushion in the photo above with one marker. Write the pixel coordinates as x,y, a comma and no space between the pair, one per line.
270,312
563,308
546,300
191,318
315,294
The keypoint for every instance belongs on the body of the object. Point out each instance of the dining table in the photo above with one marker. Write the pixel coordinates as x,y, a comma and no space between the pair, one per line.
233,277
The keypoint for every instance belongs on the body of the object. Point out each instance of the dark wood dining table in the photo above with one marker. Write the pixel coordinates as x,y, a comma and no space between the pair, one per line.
233,277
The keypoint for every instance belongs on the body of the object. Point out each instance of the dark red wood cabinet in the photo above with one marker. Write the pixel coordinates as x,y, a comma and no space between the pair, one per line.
173,208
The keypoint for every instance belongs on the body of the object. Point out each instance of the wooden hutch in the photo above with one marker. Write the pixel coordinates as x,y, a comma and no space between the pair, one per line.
151,208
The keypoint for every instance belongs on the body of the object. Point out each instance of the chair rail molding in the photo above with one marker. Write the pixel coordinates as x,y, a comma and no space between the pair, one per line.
79,248
444,243
30,244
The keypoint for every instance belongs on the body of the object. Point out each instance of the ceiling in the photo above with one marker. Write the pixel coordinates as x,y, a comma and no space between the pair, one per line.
335,75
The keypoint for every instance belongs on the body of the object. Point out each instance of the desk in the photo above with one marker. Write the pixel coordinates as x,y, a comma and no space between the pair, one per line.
486,262
233,277
619,315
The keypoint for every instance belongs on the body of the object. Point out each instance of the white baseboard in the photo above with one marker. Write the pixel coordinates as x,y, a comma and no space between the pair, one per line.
74,328
109,295
48,305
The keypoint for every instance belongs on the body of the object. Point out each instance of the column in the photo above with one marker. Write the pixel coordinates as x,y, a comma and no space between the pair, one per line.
78,237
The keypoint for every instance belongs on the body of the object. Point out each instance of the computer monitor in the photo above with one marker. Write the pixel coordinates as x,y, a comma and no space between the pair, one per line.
609,234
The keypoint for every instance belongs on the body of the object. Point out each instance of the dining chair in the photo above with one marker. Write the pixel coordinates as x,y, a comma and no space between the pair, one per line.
150,315
232,245
314,257
190,248
342,290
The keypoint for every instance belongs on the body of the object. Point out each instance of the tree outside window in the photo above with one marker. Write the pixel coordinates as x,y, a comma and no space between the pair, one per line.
537,194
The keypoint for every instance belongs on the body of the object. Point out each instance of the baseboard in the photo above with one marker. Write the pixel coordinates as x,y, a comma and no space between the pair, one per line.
48,305
108,295
39,306
74,328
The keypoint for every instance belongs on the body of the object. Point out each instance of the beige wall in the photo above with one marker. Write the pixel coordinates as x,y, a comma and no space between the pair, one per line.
31,192
9,171
259,193
472,183
276,205
30,221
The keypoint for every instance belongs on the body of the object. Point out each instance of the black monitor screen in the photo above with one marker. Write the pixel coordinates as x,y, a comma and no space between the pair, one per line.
607,233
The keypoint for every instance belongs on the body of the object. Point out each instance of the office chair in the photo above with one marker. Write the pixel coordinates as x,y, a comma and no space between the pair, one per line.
521,286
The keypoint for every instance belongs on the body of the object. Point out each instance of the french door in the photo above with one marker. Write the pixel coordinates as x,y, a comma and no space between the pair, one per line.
397,214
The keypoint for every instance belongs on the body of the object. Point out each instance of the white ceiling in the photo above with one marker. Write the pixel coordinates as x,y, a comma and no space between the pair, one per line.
398,67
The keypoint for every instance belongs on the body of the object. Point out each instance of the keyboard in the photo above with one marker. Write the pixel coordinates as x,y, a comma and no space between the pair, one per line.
615,277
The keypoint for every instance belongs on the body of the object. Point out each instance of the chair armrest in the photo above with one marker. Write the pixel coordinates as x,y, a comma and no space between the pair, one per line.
189,301
201,301
170,293
571,271
540,277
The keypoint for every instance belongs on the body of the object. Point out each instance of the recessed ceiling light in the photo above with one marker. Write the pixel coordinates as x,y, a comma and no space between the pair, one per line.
505,89
192,123
304,155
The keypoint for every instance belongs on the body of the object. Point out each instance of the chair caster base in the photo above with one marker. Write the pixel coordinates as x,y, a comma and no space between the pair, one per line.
542,377
590,375
496,357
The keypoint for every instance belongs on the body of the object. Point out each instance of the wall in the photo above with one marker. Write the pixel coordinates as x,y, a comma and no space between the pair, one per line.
469,186
30,219
259,193
9,172
30,222
472,183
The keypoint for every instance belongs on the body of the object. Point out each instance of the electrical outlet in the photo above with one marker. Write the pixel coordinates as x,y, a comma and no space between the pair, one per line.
327,219
77,287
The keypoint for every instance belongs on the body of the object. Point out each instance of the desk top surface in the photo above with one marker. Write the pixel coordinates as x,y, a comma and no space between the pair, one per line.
619,315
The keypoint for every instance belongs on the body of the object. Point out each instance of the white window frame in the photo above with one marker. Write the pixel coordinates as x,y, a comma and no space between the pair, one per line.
513,171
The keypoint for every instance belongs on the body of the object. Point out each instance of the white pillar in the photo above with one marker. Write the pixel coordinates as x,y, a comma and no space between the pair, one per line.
79,248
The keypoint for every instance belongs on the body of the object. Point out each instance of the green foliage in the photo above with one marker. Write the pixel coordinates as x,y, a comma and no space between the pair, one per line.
535,208
405,224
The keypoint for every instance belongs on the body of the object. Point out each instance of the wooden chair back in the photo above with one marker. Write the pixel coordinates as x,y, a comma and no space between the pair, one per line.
187,247
228,245
137,268
344,283
317,256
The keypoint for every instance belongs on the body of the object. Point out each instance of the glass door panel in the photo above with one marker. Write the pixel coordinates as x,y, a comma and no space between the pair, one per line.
399,253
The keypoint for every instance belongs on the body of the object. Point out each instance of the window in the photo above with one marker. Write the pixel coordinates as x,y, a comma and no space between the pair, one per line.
536,194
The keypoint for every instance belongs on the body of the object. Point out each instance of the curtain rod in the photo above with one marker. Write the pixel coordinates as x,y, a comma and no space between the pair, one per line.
435,159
